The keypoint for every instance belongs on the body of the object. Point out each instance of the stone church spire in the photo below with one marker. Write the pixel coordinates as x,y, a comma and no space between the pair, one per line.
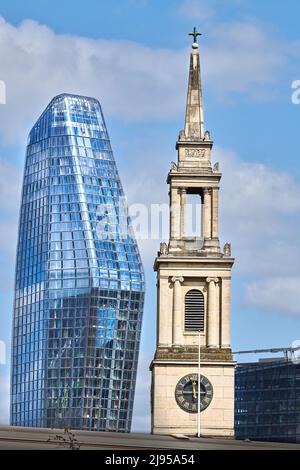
194,144
193,290
194,120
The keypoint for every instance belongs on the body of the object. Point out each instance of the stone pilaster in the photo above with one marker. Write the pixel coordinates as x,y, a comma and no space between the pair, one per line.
175,214
177,310
182,211
213,313
207,213
202,215
225,328
164,333
215,213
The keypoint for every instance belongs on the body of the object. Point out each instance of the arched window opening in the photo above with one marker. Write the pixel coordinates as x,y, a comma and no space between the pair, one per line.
194,311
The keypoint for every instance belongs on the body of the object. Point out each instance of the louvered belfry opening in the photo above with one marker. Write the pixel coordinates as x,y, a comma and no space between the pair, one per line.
194,311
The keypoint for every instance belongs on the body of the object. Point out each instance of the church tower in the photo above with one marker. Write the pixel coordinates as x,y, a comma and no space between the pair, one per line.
193,291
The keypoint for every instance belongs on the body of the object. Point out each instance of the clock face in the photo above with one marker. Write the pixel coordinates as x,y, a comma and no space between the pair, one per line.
186,393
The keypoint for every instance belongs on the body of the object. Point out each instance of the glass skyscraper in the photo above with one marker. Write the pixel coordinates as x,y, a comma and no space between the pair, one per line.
79,283
267,401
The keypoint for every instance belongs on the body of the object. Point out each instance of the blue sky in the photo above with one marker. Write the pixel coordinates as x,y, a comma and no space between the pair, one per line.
133,56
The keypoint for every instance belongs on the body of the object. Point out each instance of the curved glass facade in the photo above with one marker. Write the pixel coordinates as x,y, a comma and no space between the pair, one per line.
79,286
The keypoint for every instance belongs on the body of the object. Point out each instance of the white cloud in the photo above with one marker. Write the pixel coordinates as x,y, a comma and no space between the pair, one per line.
275,294
197,10
146,186
260,214
8,237
260,207
10,187
244,58
259,210
131,80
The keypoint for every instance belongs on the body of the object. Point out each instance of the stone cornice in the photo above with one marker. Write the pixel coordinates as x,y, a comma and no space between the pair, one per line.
194,144
162,362
189,353
170,261
197,175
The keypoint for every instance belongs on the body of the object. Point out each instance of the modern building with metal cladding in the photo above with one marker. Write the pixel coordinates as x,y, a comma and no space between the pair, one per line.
267,401
79,282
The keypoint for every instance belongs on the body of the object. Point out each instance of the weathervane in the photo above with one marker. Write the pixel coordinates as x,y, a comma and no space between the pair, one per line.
195,34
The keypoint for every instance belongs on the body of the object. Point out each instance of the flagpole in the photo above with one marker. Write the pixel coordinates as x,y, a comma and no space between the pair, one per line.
199,387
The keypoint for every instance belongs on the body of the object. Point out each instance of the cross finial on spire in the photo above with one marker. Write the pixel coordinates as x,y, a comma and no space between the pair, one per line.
194,121
195,33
